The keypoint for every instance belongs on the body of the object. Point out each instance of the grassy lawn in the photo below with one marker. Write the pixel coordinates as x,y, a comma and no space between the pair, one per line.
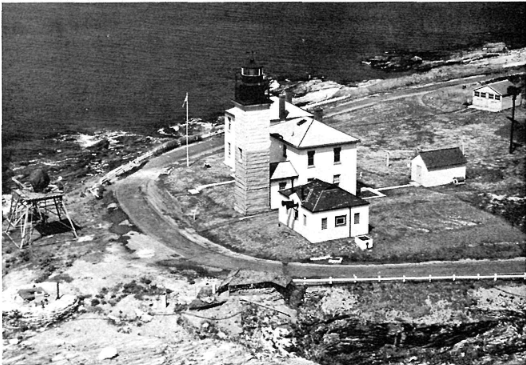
409,224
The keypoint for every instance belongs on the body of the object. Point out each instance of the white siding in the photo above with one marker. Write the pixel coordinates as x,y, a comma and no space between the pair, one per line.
275,196
363,226
324,166
434,177
489,103
313,231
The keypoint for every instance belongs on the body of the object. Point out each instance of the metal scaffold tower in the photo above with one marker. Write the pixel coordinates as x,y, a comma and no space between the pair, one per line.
30,209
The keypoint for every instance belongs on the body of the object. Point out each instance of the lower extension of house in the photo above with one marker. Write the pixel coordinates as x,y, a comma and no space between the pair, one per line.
320,211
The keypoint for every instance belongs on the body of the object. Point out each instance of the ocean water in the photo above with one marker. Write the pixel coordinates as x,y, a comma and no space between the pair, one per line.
127,66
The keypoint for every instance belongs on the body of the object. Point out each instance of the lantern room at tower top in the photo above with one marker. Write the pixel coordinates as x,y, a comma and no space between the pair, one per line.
251,86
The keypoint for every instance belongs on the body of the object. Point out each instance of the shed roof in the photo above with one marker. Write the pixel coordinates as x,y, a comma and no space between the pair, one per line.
282,170
303,133
320,196
500,87
443,158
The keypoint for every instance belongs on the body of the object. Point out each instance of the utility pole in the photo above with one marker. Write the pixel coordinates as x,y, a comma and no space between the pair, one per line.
513,91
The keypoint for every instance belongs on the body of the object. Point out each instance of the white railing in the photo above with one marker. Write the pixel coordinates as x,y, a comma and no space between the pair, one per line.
355,279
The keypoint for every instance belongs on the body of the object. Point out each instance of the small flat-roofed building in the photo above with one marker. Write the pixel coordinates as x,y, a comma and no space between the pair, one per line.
282,176
320,211
438,167
494,97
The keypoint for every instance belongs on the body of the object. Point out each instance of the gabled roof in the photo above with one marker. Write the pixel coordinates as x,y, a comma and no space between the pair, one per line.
500,87
282,170
319,196
443,158
303,133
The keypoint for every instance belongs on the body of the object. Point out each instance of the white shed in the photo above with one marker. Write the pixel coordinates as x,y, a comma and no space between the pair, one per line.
494,97
438,167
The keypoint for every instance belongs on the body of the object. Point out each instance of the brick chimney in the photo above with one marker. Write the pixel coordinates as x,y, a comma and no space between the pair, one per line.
318,114
282,109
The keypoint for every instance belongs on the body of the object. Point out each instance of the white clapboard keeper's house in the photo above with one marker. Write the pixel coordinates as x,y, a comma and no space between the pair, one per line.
494,97
273,146
438,167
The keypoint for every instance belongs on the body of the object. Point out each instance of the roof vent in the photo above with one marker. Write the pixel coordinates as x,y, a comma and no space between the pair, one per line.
302,121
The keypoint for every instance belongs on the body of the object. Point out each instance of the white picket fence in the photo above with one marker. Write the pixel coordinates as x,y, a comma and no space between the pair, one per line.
355,279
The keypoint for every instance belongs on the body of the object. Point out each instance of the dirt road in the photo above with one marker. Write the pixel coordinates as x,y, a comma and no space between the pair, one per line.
146,206
351,105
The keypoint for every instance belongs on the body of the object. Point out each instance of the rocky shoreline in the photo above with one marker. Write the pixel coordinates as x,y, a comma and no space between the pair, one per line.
432,323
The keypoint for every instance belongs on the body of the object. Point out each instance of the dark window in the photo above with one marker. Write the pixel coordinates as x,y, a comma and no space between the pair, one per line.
336,179
284,151
337,151
310,156
282,185
310,179
304,220
341,220
229,149
477,93
356,218
482,95
491,96
324,223
497,97
240,154
296,215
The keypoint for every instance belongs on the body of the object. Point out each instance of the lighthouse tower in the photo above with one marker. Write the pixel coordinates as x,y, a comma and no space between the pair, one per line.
251,114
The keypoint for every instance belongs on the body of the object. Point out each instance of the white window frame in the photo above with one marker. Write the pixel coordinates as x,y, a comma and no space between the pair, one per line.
343,221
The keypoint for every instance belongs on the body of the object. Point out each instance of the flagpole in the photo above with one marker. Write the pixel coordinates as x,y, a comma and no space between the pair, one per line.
187,158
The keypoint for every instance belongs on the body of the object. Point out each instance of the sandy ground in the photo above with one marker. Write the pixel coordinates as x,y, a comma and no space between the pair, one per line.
121,286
